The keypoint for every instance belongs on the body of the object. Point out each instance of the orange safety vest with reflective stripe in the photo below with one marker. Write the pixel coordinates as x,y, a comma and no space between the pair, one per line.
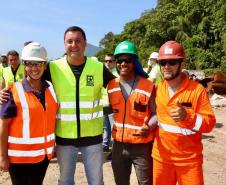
31,133
179,143
129,114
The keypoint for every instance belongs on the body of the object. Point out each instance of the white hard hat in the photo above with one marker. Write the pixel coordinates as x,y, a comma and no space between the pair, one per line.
154,55
34,52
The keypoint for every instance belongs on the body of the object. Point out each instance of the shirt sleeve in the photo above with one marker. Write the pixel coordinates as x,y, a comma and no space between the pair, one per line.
151,103
8,109
107,76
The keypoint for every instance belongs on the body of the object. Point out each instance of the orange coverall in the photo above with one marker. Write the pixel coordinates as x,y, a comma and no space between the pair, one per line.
177,150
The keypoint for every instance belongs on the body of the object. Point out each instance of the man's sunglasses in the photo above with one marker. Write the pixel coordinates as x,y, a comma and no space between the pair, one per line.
126,60
109,61
34,64
169,62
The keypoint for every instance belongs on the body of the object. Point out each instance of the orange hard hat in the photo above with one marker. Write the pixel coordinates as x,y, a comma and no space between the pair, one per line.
171,50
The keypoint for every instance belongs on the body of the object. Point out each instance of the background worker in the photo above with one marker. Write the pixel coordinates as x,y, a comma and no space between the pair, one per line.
155,74
132,97
4,60
184,113
110,64
14,72
27,122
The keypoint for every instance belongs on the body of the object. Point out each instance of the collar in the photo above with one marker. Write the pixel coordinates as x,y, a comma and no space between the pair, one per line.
28,88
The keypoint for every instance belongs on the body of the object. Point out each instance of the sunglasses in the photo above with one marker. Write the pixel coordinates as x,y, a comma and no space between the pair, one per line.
34,64
109,61
169,62
126,60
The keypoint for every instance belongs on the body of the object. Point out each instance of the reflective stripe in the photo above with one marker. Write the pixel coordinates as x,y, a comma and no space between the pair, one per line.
25,110
143,92
36,140
184,131
31,153
50,137
72,117
82,104
50,150
175,129
198,122
24,153
114,90
127,126
52,90
135,90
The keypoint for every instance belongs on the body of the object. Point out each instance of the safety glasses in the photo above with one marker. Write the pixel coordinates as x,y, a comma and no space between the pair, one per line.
169,62
33,64
126,60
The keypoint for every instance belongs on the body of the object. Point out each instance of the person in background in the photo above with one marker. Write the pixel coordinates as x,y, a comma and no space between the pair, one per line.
155,74
14,72
184,113
132,98
110,64
27,122
4,60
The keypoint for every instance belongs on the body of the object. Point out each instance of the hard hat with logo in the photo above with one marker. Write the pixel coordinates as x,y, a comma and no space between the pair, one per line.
171,50
125,47
154,55
34,52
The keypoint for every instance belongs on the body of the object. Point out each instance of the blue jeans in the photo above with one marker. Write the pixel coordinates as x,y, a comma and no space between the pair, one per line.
92,158
108,123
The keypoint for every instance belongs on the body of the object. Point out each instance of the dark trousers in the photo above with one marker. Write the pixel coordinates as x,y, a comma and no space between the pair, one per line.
139,155
28,174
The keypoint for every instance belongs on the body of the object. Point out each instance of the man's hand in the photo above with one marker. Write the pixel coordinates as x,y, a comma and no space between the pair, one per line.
145,130
4,164
178,113
4,95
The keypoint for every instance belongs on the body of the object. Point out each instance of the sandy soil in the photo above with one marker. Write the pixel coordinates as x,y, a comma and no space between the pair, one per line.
214,160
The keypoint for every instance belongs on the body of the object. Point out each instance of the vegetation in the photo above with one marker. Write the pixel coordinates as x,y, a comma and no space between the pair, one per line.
199,25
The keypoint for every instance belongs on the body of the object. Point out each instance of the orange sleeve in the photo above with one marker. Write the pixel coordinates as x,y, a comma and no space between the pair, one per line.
200,118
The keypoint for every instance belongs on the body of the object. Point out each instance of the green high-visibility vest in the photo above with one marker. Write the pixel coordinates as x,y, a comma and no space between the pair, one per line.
8,76
90,103
104,90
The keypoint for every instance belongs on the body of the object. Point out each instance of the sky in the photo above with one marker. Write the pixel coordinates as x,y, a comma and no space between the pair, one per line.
45,21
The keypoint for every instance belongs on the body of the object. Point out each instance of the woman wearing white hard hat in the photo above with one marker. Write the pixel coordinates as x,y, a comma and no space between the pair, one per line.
27,122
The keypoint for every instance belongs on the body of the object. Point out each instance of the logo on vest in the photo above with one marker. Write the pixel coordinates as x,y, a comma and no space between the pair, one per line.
89,80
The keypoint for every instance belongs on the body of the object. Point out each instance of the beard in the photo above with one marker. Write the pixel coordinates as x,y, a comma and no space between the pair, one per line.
174,75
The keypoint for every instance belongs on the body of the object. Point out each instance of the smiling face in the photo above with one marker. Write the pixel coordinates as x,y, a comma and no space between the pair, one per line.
125,65
34,69
171,69
75,44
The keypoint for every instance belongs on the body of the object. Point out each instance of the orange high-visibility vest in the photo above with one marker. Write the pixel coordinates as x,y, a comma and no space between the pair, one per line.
31,133
179,143
129,114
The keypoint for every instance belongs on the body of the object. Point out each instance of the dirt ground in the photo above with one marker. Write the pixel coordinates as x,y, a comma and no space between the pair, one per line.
214,160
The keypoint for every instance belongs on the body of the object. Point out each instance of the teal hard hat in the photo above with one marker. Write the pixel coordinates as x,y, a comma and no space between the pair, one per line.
125,47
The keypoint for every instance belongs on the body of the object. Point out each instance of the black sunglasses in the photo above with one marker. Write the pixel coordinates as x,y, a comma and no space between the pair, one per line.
126,60
170,62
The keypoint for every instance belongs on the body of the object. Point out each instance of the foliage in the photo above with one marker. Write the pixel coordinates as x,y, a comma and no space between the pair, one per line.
199,25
